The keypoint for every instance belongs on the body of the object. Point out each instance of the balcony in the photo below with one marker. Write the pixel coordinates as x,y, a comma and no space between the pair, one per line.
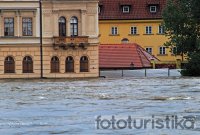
70,42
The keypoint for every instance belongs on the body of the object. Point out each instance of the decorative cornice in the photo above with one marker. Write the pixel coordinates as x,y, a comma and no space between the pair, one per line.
92,10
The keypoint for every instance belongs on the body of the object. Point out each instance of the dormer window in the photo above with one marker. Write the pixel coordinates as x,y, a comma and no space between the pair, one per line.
100,9
153,9
126,9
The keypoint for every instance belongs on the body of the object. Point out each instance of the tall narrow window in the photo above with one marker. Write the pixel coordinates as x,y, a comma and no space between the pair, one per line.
148,30
74,26
55,65
84,64
69,64
114,30
9,65
62,26
27,26
8,26
162,50
133,30
99,9
27,65
161,29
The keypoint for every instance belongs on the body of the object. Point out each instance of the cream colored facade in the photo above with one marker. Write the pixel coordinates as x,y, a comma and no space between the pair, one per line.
19,46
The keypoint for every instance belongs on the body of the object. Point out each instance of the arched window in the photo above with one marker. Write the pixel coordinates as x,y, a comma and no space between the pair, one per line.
27,65
55,65
84,66
69,64
74,26
9,65
62,26
125,41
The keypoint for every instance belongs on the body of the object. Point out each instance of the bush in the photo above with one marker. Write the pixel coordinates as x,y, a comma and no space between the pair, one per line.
192,68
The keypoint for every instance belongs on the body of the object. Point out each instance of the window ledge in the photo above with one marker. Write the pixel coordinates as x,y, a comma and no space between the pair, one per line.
160,34
27,36
63,73
148,34
133,34
153,12
70,72
54,72
162,54
114,35
7,37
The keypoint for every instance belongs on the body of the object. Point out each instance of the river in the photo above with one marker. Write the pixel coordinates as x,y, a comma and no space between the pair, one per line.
43,107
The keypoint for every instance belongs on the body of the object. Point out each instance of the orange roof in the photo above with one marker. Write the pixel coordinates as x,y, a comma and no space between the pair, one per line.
140,9
123,56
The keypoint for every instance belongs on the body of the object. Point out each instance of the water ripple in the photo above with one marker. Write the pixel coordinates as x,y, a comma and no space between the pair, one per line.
70,106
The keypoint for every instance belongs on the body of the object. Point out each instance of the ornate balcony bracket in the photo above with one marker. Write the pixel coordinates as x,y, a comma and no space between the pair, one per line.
83,45
71,42
73,46
63,46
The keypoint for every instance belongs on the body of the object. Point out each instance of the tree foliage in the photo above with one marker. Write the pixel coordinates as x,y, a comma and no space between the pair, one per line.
182,24
193,66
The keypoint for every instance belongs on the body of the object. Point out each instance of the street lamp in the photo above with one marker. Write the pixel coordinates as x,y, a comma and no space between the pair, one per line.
132,65
41,47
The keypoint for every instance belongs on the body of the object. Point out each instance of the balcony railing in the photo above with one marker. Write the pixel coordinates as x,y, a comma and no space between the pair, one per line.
71,42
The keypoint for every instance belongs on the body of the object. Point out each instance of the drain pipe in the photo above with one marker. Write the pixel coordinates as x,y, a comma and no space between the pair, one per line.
41,46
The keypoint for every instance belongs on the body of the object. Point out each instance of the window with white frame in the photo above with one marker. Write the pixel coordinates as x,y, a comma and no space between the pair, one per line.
126,9
74,26
161,29
27,26
162,50
133,30
114,30
149,50
9,26
99,9
148,30
153,9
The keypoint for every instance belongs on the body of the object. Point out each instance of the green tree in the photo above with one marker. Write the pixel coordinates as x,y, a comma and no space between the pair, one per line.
182,24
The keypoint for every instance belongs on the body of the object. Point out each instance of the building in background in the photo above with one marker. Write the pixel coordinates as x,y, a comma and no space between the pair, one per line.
69,39
135,21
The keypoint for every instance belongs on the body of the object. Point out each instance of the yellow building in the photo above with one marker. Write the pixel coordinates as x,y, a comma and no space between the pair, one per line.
65,47
135,21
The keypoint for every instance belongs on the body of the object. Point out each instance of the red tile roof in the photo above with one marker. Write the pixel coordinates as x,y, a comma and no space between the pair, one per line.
111,9
123,55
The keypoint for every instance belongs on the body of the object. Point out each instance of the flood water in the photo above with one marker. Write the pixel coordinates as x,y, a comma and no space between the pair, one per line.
43,107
